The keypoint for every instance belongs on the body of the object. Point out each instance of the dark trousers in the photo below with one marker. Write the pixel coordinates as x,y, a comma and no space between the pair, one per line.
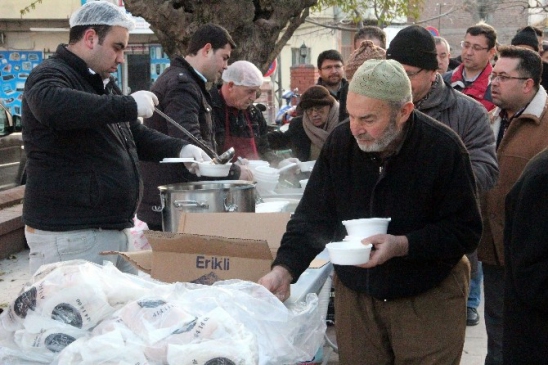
493,288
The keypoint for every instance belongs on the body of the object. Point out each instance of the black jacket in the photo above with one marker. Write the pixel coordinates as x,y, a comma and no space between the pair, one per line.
83,143
426,188
526,264
183,96
337,95
294,138
343,95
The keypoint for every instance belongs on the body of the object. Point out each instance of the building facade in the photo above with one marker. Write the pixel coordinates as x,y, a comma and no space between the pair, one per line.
27,39
452,18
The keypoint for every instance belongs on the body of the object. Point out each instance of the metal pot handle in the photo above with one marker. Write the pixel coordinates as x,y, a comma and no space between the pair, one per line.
230,207
181,204
159,209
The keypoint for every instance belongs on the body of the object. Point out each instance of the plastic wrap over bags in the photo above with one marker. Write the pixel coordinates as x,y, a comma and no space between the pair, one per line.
284,334
81,313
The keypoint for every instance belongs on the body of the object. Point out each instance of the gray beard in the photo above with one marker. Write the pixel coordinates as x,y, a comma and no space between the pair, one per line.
380,145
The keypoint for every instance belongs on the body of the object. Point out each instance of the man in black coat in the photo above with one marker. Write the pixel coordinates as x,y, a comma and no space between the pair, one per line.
526,259
83,143
183,95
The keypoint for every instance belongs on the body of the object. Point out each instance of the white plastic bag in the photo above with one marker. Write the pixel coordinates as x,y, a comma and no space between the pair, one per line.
154,318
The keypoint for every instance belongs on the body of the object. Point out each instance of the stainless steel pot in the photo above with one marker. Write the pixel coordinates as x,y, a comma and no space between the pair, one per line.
204,197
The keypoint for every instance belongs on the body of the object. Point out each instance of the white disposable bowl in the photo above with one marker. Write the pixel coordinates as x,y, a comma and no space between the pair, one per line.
256,163
366,227
214,170
307,165
265,186
352,239
348,253
266,170
303,183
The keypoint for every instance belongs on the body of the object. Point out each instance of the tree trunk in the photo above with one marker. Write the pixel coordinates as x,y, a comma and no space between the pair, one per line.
260,28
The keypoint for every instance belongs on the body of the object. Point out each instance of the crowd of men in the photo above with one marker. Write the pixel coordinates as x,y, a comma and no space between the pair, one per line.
450,149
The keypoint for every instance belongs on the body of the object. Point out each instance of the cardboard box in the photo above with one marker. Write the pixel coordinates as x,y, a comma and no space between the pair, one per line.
213,246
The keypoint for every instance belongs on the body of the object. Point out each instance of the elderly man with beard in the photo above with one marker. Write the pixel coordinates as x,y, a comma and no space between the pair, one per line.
408,303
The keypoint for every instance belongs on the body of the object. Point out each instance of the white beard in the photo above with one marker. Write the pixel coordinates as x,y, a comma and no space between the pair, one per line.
390,134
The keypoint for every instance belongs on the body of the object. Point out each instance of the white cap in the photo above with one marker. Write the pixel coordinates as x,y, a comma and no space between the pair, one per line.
101,13
243,73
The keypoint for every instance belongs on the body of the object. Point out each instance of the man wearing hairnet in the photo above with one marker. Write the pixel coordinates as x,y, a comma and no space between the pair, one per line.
83,143
239,123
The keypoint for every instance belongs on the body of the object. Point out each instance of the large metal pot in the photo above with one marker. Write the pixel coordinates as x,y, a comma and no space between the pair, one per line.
204,197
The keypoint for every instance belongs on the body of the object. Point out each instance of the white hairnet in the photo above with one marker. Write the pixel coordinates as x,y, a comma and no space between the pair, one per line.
101,13
243,73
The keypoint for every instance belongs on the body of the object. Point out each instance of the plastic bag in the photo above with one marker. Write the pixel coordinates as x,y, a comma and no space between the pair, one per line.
285,335
70,310
153,318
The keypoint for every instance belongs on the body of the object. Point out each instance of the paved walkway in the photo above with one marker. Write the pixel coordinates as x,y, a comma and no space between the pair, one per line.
14,273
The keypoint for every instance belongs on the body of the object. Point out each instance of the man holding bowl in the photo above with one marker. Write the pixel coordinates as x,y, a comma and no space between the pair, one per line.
407,304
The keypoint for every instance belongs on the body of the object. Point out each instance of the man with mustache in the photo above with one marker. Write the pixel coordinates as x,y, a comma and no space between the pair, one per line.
331,70
408,303
520,123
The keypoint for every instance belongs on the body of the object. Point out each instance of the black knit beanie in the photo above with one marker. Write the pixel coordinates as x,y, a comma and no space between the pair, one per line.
316,95
414,46
526,37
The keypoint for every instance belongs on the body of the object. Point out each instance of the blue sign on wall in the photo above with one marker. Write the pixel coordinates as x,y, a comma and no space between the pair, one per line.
15,67
159,61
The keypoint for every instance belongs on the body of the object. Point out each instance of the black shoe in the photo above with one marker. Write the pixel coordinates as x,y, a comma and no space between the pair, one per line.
472,316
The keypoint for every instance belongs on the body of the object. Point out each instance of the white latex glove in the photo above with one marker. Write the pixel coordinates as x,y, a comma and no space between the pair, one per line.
288,161
245,173
146,101
195,152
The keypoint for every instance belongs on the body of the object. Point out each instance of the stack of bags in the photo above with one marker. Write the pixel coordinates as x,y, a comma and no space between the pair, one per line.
77,312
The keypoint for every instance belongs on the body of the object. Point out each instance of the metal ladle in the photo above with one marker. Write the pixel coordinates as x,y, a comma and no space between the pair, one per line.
216,159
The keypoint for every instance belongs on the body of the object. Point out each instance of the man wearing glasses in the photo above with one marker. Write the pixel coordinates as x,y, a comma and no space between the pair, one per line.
468,118
331,70
471,77
521,126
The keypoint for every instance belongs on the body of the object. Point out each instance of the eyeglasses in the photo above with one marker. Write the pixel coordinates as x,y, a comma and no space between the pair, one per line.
475,47
332,67
413,74
504,78
317,109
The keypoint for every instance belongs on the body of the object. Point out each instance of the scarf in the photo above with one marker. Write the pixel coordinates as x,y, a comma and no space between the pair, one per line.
318,135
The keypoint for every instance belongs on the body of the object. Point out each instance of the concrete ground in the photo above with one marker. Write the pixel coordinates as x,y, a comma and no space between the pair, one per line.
14,273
